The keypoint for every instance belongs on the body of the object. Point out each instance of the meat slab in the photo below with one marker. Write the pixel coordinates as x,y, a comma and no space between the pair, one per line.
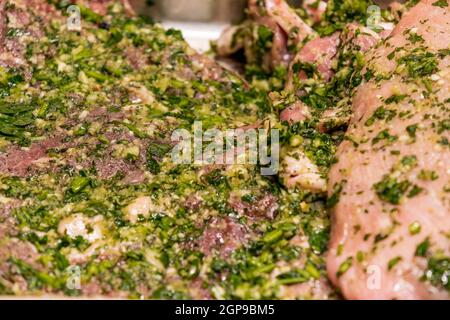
390,188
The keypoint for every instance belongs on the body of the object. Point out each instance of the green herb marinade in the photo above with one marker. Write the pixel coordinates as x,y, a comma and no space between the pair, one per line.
97,109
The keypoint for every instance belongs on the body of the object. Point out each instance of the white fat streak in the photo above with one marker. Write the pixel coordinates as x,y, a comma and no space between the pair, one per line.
77,225
140,206
299,170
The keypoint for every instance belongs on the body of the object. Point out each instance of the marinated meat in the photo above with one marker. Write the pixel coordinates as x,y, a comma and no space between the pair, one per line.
89,192
390,186
267,35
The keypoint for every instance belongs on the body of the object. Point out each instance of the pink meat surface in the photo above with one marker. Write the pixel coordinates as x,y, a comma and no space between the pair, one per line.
20,161
286,26
279,54
393,170
315,9
319,52
361,36
223,236
284,16
295,113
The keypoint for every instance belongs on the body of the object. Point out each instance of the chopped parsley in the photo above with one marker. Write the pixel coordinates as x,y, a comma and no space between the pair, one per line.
334,198
343,268
414,38
441,3
438,272
393,262
422,248
391,190
419,62
428,175
411,130
381,113
384,135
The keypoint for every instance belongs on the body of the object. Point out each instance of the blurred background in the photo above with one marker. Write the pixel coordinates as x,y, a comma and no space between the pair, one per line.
201,10
200,20
194,10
